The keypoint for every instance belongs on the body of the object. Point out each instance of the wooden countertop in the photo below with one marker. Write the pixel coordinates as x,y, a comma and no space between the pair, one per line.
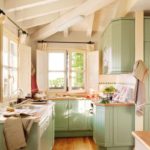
94,101
114,104
143,137
66,98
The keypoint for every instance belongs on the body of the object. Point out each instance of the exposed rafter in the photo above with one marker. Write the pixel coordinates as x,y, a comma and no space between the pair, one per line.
90,24
14,5
66,33
118,9
39,21
43,10
87,8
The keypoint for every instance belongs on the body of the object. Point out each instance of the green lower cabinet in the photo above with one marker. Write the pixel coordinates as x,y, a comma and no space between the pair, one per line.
147,117
73,118
113,126
61,115
147,82
77,117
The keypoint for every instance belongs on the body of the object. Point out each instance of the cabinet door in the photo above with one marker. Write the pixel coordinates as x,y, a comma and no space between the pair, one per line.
127,45
147,29
103,126
147,62
61,115
89,114
124,124
147,107
116,47
46,142
77,117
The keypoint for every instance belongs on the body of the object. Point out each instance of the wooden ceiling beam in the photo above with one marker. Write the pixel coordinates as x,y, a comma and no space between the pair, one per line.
15,5
66,33
90,24
38,21
85,9
43,10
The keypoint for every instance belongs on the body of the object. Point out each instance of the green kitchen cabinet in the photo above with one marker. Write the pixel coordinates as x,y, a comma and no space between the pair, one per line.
77,119
80,117
147,82
147,29
61,115
47,139
118,46
147,62
113,126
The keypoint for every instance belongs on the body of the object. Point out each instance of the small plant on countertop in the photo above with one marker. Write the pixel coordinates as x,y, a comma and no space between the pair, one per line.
108,91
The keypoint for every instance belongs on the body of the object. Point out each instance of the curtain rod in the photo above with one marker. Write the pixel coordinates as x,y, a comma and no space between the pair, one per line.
3,13
90,42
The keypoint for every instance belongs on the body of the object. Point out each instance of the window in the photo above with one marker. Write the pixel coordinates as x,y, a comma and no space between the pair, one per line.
57,70
77,71
10,67
66,70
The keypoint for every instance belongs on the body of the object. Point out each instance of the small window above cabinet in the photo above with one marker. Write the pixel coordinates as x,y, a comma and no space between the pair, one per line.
118,45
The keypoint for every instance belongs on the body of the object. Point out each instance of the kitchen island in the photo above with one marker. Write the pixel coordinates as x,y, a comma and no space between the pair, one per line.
113,124
41,136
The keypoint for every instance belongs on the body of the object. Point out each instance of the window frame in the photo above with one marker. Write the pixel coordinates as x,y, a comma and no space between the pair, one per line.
68,71
11,39
65,71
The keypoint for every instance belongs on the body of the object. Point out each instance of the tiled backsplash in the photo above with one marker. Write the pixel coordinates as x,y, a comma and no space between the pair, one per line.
125,85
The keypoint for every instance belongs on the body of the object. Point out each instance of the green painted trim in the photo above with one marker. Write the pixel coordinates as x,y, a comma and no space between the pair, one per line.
73,133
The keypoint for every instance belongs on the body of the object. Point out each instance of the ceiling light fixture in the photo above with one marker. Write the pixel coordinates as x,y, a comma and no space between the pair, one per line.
69,23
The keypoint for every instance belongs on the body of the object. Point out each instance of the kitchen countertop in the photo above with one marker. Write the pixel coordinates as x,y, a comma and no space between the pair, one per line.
143,137
40,112
95,101
66,98
114,104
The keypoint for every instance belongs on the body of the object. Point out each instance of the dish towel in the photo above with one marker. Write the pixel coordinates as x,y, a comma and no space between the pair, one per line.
27,125
14,133
140,72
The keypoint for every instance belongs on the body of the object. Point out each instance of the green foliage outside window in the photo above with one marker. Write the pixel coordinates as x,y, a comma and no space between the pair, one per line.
77,65
58,83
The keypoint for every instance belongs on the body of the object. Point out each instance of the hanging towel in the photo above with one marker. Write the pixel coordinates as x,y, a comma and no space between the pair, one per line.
140,72
14,133
27,124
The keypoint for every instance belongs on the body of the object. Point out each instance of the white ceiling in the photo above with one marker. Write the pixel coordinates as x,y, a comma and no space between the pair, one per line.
42,17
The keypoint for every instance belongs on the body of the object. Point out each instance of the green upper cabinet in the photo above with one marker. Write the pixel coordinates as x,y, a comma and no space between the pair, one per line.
147,29
61,115
118,44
